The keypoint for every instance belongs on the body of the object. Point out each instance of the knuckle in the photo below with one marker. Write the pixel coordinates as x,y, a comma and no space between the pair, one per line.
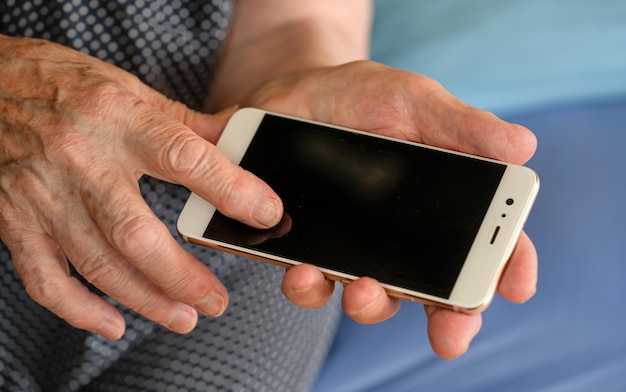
46,292
103,270
187,156
103,102
231,193
40,283
15,191
149,307
189,288
137,236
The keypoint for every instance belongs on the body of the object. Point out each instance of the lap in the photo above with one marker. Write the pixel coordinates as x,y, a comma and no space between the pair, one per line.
262,342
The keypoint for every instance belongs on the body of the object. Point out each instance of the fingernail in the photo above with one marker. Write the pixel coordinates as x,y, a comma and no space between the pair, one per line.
429,309
110,330
183,319
371,304
266,211
214,305
530,296
302,291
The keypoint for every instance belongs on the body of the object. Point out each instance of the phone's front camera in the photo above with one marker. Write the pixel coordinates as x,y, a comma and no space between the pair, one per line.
509,202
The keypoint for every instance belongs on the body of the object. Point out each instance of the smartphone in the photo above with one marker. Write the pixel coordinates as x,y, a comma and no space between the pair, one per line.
430,225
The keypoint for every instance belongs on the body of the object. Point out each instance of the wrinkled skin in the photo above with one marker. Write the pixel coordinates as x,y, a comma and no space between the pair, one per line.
404,105
76,135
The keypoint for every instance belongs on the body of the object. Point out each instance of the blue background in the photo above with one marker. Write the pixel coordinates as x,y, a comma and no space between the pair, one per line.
559,68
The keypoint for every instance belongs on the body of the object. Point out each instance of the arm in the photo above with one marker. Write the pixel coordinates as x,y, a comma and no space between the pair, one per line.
271,38
299,58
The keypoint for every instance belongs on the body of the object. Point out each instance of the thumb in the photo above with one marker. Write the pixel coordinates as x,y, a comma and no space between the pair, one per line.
453,124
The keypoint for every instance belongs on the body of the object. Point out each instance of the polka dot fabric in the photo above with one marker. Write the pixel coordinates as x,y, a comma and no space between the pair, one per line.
170,45
262,342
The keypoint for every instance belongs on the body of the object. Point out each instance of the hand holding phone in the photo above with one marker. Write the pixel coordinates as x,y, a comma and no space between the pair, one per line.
430,225
384,100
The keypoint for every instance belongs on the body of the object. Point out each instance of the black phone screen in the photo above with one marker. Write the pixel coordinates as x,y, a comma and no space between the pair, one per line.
366,206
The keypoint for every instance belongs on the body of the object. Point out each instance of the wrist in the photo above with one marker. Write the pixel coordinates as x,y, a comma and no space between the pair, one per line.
250,60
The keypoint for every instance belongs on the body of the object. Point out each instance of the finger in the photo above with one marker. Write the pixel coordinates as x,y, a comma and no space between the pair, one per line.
450,333
519,279
407,105
367,302
43,268
141,240
176,154
305,286
418,108
451,123
114,276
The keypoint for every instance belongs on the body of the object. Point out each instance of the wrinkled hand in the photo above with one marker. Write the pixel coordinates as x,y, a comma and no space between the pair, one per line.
391,102
76,134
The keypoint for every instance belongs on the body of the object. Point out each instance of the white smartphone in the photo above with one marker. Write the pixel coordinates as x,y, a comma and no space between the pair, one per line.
430,225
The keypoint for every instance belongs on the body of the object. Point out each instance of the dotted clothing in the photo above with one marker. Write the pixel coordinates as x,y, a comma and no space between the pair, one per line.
262,342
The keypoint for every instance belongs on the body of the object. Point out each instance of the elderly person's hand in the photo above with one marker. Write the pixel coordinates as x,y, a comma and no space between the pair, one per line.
375,98
76,134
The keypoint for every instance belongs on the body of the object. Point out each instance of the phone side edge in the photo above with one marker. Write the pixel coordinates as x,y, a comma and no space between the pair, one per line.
239,132
480,275
194,217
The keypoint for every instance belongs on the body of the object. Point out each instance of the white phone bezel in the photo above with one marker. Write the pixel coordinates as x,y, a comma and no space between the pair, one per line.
477,281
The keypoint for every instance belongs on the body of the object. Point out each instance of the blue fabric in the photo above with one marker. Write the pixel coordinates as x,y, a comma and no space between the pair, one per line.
558,68
507,55
572,335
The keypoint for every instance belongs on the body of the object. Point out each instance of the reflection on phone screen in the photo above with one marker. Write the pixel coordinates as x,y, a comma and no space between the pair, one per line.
366,206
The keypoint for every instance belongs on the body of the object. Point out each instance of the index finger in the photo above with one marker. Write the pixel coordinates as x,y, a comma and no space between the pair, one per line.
173,152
